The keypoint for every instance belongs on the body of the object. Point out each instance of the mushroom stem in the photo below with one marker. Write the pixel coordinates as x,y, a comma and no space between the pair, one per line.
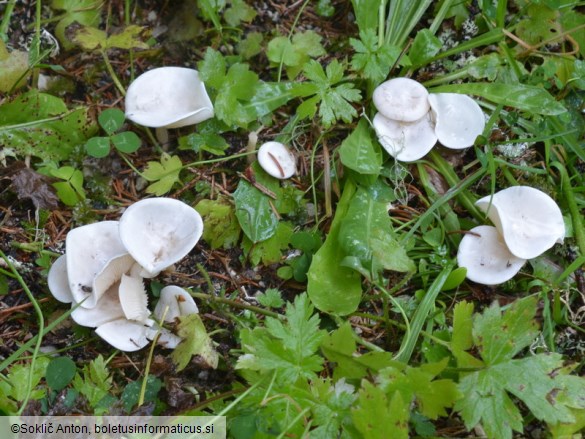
162,135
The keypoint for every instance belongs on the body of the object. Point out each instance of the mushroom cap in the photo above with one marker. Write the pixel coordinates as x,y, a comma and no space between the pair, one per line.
58,281
89,249
133,298
401,99
124,335
178,301
486,257
406,142
108,308
277,160
158,232
529,220
458,119
169,97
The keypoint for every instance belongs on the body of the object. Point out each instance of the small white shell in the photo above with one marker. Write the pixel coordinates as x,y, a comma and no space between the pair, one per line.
89,249
406,142
58,281
124,335
401,99
178,301
529,220
458,119
486,257
168,97
277,160
158,232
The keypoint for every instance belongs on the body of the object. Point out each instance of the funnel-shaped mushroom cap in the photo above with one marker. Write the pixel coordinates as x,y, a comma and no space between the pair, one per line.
158,232
529,220
277,160
169,97
124,335
89,249
486,257
406,142
107,309
133,298
176,302
58,281
458,119
401,99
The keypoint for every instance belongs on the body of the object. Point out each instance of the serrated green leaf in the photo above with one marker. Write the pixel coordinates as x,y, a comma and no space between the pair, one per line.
126,142
287,348
524,97
541,24
372,60
238,11
196,341
16,386
333,288
269,251
462,338
221,228
94,381
271,298
212,69
251,45
164,174
359,152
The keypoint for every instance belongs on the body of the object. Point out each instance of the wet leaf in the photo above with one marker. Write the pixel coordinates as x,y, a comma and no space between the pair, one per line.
221,228
359,153
60,372
196,341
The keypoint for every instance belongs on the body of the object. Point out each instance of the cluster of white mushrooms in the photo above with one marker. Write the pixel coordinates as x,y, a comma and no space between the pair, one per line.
410,120
101,273
527,223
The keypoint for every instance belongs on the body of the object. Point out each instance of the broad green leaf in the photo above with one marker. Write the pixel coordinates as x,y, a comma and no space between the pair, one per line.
238,86
251,45
90,38
377,418
131,393
268,96
196,341
294,53
333,288
40,125
164,174
238,11
98,147
126,142
269,251
60,372
111,120
366,234
213,68
425,46
254,212
129,38
210,142
366,14
221,228
288,348
456,278
359,152
541,24
524,97
462,338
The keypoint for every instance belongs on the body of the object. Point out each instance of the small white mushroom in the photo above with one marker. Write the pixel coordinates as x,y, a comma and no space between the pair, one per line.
169,97
277,160
406,142
158,232
58,281
401,99
124,335
458,119
486,257
528,219
176,302
133,298
89,250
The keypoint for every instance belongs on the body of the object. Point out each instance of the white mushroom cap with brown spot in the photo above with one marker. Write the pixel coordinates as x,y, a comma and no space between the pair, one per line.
401,99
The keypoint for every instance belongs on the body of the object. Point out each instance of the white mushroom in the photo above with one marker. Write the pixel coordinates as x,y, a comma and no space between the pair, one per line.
401,99
458,119
406,142
168,97
89,250
174,302
528,219
58,281
158,232
486,257
133,298
276,160
124,335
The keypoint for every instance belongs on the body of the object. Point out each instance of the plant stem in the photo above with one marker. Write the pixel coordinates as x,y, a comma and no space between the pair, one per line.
6,19
238,305
112,73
